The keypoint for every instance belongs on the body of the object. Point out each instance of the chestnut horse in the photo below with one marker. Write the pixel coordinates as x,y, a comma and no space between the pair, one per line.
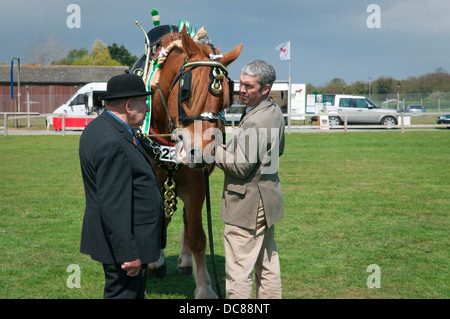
191,88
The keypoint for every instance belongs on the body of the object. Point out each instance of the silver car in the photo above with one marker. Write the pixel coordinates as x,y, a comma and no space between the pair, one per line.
359,110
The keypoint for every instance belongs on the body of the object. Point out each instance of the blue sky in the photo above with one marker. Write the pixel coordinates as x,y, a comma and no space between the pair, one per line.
329,38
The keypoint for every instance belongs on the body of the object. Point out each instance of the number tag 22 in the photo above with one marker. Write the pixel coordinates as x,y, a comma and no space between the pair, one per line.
169,154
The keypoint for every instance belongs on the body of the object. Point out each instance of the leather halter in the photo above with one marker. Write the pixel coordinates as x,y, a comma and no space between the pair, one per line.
217,73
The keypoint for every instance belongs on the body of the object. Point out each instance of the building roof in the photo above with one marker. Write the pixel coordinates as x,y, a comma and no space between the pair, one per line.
59,74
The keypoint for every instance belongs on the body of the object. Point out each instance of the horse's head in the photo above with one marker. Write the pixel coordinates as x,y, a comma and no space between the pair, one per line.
201,90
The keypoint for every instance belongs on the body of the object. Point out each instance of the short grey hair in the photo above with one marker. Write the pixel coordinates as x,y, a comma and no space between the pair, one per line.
264,70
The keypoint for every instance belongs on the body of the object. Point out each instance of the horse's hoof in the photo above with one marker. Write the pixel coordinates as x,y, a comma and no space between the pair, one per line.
186,271
205,293
157,272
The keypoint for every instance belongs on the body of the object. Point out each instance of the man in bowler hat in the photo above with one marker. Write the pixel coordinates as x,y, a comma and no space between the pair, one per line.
123,225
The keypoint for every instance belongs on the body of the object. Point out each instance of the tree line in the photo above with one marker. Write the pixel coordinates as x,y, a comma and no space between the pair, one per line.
101,54
51,52
433,82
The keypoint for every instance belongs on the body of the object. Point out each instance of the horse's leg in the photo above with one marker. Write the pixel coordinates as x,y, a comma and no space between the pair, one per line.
157,269
185,257
195,237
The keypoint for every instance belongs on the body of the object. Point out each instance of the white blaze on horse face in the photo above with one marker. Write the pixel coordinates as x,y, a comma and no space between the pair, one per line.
191,152
196,150
199,147
185,137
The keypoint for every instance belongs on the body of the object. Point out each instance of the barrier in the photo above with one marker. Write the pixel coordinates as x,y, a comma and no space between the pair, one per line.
75,125
404,121
71,122
15,116
61,122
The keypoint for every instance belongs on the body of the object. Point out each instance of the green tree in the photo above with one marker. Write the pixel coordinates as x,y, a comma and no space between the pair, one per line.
337,85
98,56
101,55
72,56
358,88
384,85
122,55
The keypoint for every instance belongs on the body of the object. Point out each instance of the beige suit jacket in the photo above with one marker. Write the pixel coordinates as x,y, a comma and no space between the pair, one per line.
250,165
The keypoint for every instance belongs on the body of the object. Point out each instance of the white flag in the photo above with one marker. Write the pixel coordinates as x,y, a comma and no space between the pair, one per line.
285,50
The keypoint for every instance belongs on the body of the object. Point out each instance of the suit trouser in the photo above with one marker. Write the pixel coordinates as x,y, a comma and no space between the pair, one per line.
121,286
246,250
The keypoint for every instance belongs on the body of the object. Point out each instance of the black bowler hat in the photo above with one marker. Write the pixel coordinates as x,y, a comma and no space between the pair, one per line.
124,86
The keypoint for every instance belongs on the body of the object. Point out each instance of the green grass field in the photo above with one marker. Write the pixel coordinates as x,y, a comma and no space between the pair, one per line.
351,200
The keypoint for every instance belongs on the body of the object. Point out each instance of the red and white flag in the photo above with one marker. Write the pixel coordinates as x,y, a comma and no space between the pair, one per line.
285,50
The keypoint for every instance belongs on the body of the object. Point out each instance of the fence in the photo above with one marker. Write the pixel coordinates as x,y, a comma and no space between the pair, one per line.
402,123
292,125
16,117
35,98
432,102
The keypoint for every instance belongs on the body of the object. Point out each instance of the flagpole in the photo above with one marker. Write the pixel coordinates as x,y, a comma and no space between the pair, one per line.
289,98
285,54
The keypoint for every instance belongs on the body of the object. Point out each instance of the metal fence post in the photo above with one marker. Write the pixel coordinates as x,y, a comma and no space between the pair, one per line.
28,106
289,123
403,122
5,121
345,122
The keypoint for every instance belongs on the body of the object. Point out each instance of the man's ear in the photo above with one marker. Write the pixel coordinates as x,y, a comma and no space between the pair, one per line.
129,105
266,89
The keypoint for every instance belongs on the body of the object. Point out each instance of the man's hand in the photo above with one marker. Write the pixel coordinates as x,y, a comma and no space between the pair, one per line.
132,267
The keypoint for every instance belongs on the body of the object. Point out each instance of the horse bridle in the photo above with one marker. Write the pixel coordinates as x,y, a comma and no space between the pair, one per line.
217,73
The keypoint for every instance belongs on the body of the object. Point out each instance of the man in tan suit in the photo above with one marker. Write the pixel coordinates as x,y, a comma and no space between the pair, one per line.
252,198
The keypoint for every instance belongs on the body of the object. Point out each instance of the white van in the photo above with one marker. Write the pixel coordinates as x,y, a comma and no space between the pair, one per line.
84,102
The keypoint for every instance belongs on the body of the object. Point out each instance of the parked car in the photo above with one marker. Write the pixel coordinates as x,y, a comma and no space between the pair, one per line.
357,109
415,109
443,119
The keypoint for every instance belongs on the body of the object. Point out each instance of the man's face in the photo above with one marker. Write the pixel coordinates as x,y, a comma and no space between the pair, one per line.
250,91
137,109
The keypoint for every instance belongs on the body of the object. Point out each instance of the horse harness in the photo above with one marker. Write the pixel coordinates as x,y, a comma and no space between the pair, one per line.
152,142
217,73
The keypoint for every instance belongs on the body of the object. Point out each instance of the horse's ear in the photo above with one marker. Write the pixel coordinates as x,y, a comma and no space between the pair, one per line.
232,55
189,46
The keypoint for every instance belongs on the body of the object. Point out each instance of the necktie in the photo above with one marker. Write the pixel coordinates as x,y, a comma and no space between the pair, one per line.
243,114
135,140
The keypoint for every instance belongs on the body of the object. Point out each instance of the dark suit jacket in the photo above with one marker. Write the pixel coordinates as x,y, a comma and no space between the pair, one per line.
124,217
